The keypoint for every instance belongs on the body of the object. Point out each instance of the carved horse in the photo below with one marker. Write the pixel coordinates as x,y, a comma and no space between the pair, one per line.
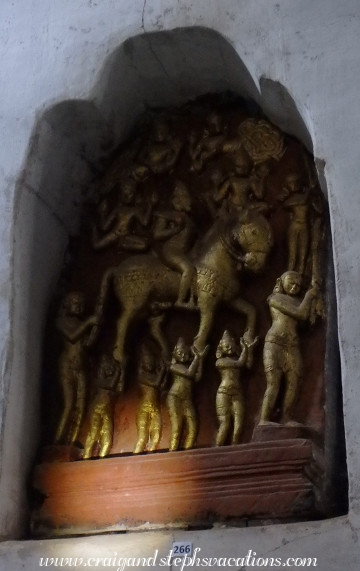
230,247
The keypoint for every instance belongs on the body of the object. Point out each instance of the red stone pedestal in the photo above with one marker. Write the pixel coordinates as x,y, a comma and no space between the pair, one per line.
61,453
258,480
273,431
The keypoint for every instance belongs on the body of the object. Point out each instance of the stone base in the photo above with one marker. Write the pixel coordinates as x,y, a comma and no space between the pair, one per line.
273,431
61,453
258,480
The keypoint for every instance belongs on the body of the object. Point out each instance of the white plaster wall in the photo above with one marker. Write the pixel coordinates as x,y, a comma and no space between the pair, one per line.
54,51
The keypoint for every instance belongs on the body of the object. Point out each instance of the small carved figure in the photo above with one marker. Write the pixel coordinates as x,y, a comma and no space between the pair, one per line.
148,420
209,144
176,229
184,369
298,231
235,190
282,355
209,198
241,161
118,224
101,424
258,178
306,209
230,400
162,152
77,335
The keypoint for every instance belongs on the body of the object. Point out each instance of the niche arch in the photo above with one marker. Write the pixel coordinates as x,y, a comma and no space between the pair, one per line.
69,148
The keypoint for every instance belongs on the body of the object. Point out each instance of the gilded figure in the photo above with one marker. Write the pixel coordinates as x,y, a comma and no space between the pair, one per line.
210,143
119,225
176,230
161,153
230,399
282,354
152,376
184,369
78,334
233,194
296,199
306,209
258,178
101,422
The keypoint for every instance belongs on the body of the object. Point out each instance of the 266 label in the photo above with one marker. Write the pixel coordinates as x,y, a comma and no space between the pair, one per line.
182,548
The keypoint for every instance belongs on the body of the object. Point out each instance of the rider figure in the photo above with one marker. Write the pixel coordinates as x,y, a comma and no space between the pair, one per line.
177,230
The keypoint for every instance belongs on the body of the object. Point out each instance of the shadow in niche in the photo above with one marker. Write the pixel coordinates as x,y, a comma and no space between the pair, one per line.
165,69
280,107
71,144
336,484
66,150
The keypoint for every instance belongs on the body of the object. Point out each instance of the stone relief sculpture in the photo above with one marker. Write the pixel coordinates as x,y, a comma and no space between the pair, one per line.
282,354
76,333
184,369
148,421
161,152
101,424
117,225
192,224
230,399
239,244
177,232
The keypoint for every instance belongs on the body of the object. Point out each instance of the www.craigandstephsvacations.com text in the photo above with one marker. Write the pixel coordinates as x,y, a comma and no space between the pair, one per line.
179,563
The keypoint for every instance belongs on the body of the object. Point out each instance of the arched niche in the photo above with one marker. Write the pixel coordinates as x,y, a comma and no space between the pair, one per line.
69,147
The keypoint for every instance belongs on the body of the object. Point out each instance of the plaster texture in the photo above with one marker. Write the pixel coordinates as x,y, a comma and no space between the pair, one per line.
71,86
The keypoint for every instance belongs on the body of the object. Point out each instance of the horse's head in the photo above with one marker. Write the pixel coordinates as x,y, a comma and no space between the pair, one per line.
253,234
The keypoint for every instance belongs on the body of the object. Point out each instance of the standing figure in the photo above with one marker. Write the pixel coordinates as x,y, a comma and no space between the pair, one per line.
148,420
282,355
230,400
176,229
297,201
101,423
77,335
184,368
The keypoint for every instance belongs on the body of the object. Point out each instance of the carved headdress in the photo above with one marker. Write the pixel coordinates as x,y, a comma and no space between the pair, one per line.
226,339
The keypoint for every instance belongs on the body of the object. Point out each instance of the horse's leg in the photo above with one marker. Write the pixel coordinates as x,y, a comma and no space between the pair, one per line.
104,291
247,309
122,327
207,306
156,332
